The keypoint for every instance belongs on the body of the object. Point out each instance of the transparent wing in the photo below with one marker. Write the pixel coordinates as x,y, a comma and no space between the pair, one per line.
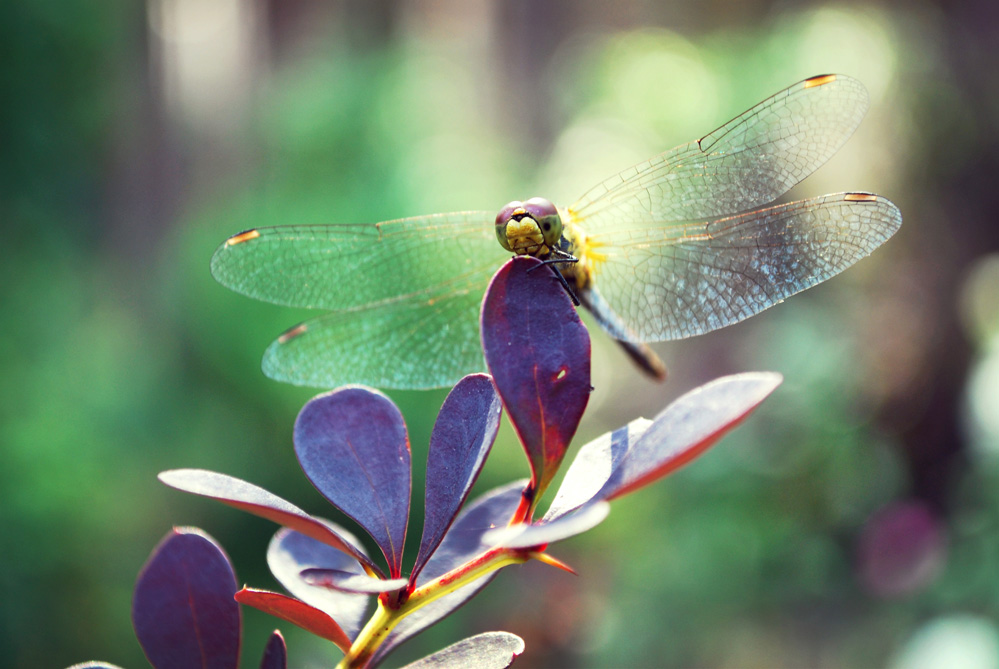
685,279
411,343
405,297
748,162
338,267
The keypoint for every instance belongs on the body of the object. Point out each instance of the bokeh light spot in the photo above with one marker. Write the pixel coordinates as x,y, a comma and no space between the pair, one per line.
955,642
983,401
979,299
901,550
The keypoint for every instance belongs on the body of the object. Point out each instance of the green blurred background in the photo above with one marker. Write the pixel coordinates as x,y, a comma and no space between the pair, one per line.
852,522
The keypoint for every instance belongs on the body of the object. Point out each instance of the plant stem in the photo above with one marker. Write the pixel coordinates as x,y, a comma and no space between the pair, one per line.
385,618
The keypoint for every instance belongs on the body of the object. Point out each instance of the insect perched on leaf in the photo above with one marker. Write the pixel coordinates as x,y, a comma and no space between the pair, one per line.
671,248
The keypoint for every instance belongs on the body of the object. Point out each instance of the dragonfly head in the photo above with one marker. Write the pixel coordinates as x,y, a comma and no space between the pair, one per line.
531,228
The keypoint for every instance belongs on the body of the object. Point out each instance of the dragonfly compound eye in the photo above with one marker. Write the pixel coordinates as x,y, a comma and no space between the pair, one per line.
512,211
546,214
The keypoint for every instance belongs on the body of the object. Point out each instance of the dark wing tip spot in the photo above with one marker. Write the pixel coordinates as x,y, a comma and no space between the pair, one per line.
242,237
290,334
820,80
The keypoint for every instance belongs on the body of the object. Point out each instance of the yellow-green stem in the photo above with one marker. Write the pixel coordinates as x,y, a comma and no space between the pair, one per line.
385,619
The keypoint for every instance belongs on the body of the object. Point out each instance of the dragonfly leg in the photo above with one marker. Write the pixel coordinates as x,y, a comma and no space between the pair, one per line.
557,257
565,284
560,257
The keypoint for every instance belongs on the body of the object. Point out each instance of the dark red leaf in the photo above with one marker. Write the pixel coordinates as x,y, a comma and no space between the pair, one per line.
183,609
276,653
682,431
248,497
688,427
465,540
463,435
296,612
538,352
491,650
352,444
591,467
462,542
290,553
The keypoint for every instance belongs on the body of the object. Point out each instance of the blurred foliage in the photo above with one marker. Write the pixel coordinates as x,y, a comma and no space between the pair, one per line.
124,162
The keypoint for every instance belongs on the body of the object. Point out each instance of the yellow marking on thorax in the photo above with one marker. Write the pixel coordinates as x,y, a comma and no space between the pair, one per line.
583,247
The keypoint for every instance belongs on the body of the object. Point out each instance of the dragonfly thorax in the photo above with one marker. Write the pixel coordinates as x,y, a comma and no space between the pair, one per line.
530,228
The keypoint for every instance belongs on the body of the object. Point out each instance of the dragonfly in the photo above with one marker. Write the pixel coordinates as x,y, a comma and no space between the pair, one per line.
680,245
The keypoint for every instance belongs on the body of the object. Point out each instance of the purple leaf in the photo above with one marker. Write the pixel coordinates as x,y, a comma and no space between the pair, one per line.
538,352
462,542
680,433
463,435
344,581
248,497
490,650
289,553
183,609
465,540
352,444
276,653
296,612
688,427
593,464
527,535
